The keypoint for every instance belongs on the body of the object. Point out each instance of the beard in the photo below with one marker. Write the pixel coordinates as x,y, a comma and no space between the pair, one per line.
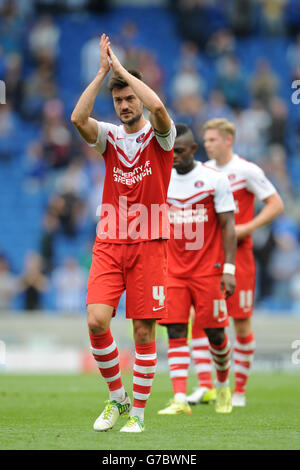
132,121
184,167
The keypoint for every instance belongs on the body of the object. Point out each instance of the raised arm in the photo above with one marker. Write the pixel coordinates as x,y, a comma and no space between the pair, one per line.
80,118
158,116
226,221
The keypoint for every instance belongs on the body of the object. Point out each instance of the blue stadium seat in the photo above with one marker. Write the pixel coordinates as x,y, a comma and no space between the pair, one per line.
21,211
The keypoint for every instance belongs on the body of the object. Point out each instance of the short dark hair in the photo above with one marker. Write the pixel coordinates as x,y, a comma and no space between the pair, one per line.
118,82
182,129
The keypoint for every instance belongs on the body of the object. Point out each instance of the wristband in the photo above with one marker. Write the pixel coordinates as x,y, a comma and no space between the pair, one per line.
229,268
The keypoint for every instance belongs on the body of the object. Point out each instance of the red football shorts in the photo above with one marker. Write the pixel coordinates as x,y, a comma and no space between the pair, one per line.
204,294
240,304
139,268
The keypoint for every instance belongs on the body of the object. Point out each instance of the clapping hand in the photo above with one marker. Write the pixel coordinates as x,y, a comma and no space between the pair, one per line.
104,58
115,63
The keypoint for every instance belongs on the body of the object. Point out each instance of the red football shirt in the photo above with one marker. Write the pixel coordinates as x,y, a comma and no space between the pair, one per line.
247,181
138,169
195,199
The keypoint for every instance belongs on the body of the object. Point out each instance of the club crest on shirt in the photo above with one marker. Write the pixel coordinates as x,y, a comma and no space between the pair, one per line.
198,184
140,138
231,177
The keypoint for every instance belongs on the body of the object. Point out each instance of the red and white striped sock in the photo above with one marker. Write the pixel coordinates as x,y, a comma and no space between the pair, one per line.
106,354
202,359
221,358
243,354
179,361
143,375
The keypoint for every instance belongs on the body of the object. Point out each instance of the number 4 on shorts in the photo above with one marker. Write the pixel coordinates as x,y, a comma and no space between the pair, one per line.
158,294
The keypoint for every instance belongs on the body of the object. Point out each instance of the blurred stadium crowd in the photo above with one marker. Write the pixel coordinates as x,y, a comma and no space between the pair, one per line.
206,58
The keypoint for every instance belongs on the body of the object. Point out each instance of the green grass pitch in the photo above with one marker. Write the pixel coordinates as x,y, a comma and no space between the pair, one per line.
58,411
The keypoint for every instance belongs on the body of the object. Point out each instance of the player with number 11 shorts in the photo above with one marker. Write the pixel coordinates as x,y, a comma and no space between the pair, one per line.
247,182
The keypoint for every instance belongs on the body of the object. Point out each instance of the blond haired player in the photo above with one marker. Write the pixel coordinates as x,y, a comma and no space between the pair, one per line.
247,182
127,253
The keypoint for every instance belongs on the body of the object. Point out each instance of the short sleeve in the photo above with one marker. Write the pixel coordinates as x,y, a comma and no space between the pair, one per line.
167,139
258,183
100,144
223,198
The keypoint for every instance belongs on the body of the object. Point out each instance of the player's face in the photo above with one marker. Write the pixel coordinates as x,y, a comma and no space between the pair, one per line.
128,106
184,149
216,144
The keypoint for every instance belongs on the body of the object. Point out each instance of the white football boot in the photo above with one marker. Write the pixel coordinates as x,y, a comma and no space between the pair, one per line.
134,424
239,399
201,395
111,413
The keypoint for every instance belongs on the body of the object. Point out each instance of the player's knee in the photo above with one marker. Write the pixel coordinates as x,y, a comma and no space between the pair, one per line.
177,330
143,331
141,336
242,327
215,335
97,321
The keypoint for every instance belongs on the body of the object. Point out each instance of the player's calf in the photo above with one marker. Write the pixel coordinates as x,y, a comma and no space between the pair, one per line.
178,361
202,363
221,356
243,353
143,374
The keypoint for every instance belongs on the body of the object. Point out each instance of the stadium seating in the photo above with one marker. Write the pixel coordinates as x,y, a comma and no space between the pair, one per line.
21,209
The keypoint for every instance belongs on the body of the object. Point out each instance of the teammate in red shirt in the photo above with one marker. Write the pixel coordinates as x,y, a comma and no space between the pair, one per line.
247,181
200,267
130,250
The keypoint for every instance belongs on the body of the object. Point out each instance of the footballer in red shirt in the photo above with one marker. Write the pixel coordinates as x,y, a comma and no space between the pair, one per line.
247,182
130,250
201,256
